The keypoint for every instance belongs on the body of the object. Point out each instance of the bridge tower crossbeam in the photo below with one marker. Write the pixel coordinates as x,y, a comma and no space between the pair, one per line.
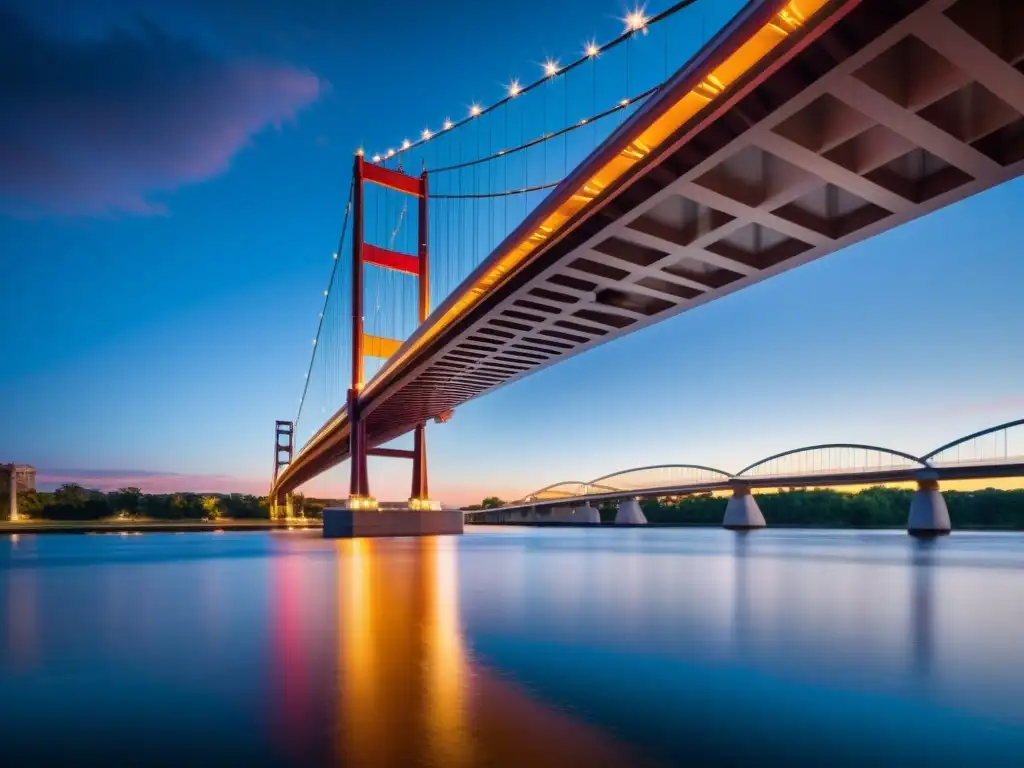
364,253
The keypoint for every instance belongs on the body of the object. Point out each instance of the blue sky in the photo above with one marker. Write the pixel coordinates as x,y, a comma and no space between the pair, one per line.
162,289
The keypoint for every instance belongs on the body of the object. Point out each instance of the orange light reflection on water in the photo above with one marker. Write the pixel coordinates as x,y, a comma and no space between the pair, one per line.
409,690
401,664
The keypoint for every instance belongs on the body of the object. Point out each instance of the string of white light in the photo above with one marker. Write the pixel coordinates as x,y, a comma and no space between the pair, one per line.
635,22
617,107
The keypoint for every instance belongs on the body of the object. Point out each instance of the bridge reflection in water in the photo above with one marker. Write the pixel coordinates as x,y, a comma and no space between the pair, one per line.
410,691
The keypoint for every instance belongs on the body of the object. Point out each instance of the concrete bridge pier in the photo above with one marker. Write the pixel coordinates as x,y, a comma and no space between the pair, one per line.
586,514
630,513
742,512
520,516
560,515
929,515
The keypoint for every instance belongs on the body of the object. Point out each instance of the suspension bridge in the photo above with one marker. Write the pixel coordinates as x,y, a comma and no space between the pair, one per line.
990,453
653,173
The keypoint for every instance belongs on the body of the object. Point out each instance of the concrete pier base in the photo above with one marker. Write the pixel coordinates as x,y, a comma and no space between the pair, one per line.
742,512
586,514
521,516
559,515
929,515
344,523
630,513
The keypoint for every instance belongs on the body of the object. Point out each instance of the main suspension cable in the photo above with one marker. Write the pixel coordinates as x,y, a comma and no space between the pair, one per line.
592,52
327,298
505,193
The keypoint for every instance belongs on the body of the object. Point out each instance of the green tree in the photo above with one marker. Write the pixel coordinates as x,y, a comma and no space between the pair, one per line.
315,507
71,494
73,502
125,501
32,504
241,505
491,502
187,506
211,506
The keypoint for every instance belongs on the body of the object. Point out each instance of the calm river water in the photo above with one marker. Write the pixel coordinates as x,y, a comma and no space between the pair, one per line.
513,647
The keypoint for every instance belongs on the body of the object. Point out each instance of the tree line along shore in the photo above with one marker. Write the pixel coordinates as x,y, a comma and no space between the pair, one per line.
879,507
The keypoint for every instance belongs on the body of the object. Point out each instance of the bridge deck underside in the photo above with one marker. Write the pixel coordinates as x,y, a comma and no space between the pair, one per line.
883,111
880,120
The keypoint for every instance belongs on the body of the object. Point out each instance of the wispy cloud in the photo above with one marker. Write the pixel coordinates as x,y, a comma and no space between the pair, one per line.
1010,406
98,126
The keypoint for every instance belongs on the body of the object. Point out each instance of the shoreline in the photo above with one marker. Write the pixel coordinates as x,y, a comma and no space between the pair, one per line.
770,526
205,526
153,526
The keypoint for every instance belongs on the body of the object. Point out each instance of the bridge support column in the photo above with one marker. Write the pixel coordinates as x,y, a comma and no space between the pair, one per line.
742,512
359,486
276,506
630,513
586,514
420,497
564,515
929,515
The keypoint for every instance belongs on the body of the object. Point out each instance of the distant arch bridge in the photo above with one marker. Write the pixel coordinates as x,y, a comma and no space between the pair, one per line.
994,452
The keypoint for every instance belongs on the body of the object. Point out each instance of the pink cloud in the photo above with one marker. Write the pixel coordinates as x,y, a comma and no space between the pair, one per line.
98,126
149,482
1002,405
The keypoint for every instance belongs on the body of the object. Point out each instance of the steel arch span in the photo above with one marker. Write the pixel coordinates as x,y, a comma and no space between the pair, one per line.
660,476
831,459
999,444
567,489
